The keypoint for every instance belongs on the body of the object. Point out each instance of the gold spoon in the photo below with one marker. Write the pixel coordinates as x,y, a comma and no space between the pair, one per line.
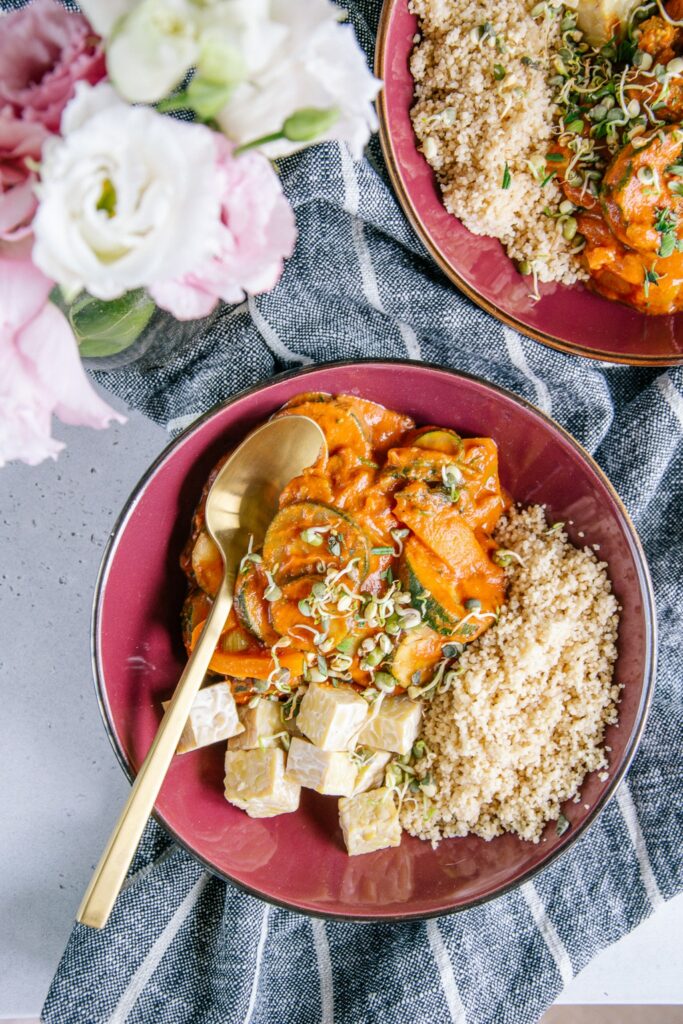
240,504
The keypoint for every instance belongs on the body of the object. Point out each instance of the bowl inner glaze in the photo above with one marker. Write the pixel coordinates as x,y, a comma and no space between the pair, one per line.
139,655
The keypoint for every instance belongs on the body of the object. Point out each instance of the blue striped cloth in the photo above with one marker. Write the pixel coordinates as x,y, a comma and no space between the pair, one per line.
183,946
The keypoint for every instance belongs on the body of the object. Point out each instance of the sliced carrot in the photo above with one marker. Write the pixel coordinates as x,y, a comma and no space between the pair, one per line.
253,664
247,665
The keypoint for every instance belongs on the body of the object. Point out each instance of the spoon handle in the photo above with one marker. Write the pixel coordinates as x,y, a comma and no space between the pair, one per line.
111,870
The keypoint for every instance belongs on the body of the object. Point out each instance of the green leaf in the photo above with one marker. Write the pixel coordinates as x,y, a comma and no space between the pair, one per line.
106,328
507,177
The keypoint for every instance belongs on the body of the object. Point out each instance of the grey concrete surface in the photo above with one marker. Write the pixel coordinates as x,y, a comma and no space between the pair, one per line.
61,785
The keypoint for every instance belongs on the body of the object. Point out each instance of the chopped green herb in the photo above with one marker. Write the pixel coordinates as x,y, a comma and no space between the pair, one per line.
499,72
555,158
548,178
334,543
562,825
451,650
651,277
507,177
667,246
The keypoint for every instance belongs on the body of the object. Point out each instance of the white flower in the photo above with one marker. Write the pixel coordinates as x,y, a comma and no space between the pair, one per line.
104,14
152,44
152,48
128,197
298,55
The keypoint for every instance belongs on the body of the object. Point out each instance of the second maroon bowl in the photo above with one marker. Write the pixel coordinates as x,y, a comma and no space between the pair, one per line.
298,860
570,318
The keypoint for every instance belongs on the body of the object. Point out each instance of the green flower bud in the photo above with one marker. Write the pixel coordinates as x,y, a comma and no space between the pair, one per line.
309,123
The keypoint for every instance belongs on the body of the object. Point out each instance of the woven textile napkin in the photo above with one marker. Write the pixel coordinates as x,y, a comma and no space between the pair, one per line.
182,946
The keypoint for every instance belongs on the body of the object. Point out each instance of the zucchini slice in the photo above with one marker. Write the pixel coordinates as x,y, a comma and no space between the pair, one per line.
413,463
438,439
196,608
431,587
307,396
250,605
341,427
418,651
384,427
288,555
442,597
288,619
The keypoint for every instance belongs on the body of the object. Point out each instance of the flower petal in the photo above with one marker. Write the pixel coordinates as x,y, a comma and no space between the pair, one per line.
23,291
47,342
183,299
25,410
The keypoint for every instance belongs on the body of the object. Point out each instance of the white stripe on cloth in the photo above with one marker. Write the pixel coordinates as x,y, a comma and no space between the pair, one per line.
149,965
445,969
271,339
630,816
671,396
322,952
257,966
513,344
556,946
367,271
143,872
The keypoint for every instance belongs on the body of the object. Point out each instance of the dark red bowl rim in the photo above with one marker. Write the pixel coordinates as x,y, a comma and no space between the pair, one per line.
445,264
644,581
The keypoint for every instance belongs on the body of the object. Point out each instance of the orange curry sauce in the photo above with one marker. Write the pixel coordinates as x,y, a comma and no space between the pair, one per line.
388,535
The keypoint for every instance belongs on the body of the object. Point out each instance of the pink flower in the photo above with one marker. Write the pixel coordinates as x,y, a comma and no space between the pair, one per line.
44,51
257,232
40,370
18,140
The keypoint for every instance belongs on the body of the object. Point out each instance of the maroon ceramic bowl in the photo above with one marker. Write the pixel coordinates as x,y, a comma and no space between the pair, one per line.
571,319
138,654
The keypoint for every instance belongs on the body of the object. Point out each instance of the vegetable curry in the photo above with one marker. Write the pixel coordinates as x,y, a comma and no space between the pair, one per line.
377,568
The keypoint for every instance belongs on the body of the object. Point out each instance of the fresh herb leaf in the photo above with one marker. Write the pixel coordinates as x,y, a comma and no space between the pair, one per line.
668,245
507,177
562,825
555,158
651,277
665,219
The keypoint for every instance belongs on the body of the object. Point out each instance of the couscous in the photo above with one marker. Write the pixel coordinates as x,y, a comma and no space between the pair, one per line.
516,737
